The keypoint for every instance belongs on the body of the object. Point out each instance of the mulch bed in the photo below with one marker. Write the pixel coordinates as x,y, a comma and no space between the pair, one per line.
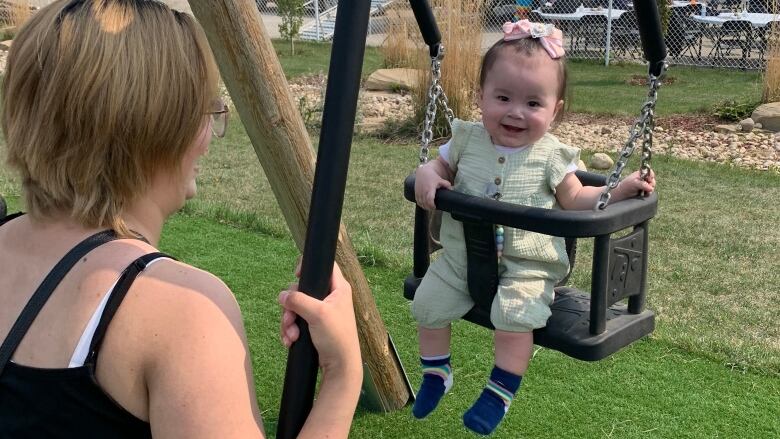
684,122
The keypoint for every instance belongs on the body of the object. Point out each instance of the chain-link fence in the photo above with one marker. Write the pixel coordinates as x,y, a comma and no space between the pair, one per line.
713,33
12,13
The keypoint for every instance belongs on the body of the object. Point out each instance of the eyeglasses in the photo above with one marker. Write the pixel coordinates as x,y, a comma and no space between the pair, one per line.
219,118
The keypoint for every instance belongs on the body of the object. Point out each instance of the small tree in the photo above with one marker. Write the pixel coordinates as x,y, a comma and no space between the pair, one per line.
291,13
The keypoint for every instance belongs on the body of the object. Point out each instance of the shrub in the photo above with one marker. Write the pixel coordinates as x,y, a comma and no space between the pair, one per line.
291,13
734,110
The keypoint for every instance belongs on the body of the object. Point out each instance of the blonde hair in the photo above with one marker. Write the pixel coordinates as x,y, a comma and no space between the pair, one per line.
99,96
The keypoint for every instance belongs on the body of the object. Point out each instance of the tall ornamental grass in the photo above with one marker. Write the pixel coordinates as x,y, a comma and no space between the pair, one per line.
460,23
771,92
12,15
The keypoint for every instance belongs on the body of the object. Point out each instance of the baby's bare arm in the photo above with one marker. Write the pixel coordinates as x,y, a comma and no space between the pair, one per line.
572,195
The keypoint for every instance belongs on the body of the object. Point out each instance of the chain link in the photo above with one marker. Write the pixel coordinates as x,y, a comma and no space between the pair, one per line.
435,95
642,127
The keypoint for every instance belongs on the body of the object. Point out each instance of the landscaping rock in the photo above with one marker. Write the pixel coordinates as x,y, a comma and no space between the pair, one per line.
393,79
6,45
768,115
601,161
747,124
690,138
581,166
727,129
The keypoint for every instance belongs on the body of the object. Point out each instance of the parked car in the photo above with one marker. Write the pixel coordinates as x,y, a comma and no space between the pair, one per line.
500,11
308,6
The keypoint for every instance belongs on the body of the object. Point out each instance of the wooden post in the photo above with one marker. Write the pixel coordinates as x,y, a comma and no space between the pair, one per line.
257,85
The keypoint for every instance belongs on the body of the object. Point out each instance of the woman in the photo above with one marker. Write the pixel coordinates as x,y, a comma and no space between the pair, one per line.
108,104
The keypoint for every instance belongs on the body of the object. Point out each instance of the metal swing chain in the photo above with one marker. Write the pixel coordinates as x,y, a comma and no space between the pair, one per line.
643,127
435,94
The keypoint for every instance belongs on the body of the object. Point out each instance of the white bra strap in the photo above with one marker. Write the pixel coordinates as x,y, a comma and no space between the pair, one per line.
82,348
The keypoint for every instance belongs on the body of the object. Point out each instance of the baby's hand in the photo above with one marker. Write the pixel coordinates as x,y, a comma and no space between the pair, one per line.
633,185
427,180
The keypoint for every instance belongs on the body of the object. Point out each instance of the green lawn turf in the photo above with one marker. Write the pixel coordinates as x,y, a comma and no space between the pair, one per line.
713,278
313,57
652,389
594,88
597,89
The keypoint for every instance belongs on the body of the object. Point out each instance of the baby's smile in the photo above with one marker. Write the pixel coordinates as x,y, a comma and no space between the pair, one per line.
511,128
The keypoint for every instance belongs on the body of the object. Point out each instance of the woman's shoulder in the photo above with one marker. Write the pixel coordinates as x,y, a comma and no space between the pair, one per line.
190,340
178,285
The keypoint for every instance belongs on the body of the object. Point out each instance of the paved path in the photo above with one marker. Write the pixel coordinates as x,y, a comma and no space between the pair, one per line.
271,21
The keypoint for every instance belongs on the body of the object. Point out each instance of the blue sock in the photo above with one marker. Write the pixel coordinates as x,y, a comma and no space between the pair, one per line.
437,380
484,416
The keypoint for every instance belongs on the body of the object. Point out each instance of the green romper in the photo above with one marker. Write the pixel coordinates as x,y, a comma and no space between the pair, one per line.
532,263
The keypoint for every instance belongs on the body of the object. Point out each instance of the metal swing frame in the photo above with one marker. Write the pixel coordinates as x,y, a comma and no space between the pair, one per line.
584,326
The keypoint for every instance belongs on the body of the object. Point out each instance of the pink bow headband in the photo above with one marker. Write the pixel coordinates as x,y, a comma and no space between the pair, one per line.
550,36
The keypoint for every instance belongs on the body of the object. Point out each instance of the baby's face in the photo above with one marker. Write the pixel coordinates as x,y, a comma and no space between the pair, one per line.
519,99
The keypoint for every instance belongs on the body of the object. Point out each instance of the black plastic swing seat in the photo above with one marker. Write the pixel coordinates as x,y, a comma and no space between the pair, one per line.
568,329
584,326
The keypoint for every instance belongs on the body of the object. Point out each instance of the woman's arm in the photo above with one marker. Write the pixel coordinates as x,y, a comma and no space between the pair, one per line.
334,334
197,367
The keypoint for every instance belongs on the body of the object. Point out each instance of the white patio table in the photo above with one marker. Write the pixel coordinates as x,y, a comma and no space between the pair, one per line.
756,19
579,13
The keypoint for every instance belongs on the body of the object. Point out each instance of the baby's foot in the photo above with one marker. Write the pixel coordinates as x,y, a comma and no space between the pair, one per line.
487,412
437,380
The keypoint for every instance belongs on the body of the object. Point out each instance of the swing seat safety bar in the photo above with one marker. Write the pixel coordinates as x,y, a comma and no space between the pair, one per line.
566,223
584,326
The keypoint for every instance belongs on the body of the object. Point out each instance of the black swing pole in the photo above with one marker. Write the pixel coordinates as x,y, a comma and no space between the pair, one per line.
649,21
427,24
330,178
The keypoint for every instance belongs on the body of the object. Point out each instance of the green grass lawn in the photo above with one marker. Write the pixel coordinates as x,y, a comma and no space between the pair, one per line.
594,87
605,90
655,388
313,57
713,277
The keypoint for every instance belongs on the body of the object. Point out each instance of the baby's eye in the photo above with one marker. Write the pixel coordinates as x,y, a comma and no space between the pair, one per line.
534,104
502,98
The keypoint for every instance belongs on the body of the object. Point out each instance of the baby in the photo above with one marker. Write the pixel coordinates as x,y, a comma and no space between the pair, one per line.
511,157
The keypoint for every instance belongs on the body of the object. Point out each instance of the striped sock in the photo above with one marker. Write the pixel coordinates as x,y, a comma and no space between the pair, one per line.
484,416
437,380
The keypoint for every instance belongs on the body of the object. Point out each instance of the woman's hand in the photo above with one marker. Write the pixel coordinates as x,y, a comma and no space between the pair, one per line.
331,323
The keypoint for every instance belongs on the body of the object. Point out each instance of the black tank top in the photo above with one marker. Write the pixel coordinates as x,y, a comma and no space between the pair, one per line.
65,403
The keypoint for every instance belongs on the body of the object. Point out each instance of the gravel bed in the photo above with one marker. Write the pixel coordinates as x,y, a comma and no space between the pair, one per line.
689,137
